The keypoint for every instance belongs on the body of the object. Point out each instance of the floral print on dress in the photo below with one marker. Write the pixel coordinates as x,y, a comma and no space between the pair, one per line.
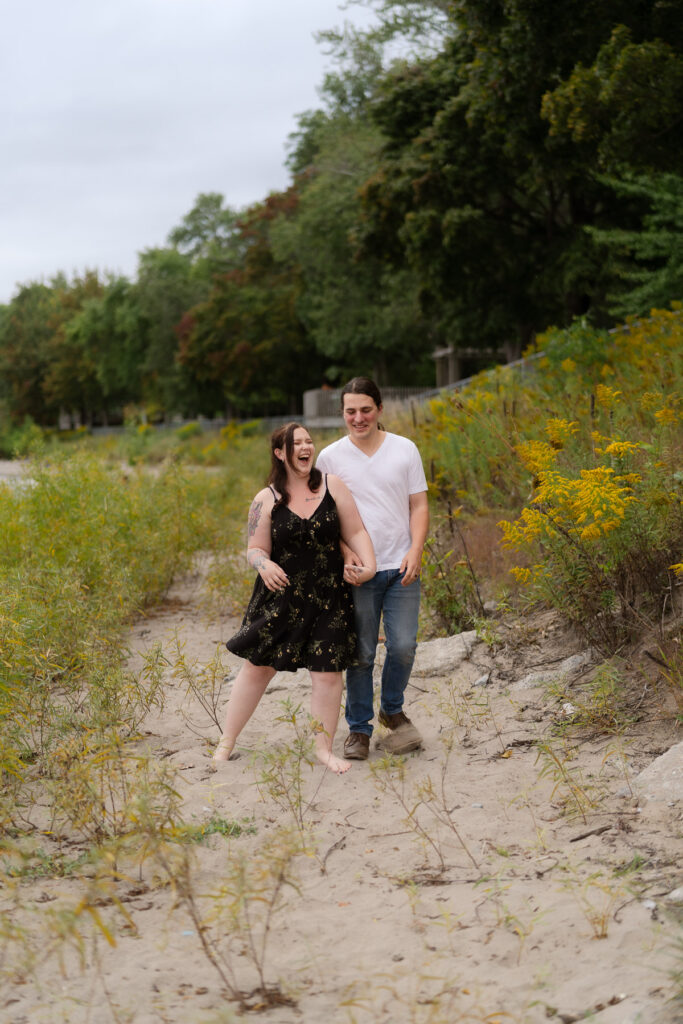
310,623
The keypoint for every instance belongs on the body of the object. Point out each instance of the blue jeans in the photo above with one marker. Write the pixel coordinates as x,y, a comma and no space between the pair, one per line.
385,594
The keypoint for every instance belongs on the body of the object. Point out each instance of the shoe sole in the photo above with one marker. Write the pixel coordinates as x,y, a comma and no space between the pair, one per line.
398,748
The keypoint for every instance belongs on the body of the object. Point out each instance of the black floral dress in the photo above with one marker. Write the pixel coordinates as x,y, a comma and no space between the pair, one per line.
309,624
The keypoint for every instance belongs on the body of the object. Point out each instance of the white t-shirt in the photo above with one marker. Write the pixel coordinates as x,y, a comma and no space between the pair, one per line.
381,485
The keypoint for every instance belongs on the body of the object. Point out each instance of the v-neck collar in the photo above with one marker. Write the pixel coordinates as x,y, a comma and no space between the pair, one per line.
370,455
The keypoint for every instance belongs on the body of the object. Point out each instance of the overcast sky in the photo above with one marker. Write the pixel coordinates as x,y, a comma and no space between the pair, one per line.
115,114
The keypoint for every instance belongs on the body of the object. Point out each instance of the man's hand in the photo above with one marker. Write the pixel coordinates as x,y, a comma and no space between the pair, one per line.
411,566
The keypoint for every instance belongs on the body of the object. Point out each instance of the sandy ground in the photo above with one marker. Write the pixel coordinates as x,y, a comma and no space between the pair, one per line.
490,914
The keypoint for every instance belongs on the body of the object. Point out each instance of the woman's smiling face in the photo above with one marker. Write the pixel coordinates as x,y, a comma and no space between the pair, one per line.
303,452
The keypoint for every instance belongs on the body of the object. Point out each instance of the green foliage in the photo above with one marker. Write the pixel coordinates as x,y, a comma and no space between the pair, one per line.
624,107
281,766
580,457
648,262
83,548
215,826
189,430
476,172
245,346
360,316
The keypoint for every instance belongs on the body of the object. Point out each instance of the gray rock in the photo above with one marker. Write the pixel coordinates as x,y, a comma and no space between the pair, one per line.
442,656
663,779
554,672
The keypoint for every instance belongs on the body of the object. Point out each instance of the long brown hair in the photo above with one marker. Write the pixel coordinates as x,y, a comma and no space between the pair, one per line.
282,439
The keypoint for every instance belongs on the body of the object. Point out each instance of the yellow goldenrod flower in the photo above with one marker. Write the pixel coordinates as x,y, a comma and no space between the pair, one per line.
559,430
666,415
649,400
568,365
536,455
606,396
620,449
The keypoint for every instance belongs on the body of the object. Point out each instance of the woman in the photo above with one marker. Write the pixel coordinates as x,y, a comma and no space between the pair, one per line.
300,614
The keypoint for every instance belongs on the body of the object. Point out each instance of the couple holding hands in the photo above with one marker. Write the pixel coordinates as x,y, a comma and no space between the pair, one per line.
336,543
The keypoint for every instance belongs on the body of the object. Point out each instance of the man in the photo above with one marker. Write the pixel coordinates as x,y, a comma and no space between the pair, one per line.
384,473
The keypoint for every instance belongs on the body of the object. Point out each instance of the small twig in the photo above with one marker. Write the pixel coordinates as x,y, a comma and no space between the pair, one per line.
388,835
335,846
360,828
592,832
657,661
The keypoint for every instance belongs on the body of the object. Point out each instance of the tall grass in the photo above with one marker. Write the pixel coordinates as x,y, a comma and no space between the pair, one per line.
83,548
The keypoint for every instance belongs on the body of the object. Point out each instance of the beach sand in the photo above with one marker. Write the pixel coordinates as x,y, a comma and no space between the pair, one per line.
469,885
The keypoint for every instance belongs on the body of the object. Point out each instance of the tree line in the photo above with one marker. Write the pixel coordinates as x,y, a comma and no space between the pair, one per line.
518,164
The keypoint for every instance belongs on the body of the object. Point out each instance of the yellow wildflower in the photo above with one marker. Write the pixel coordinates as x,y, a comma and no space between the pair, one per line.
606,396
649,400
666,415
536,455
677,568
559,431
521,575
620,449
568,365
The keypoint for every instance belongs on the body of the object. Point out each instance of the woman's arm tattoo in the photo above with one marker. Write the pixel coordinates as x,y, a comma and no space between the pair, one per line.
254,517
256,558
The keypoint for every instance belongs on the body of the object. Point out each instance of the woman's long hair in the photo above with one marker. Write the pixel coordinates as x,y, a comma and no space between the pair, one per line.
282,439
362,386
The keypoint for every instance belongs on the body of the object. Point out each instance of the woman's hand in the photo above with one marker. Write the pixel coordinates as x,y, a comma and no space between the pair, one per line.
357,574
273,575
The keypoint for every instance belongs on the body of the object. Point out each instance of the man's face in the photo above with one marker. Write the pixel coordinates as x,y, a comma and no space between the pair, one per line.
361,415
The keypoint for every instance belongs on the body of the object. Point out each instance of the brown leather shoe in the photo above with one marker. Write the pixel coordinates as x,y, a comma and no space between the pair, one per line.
357,746
403,736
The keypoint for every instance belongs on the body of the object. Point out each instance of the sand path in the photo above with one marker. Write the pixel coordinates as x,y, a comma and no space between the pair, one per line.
489,915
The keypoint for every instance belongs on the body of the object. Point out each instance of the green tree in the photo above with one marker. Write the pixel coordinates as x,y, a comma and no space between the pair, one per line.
474,194
70,379
245,345
209,235
109,332
624,109
648,263
362,316
167,286
25,331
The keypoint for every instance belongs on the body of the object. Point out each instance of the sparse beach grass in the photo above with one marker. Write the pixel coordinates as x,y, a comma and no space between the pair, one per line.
579,462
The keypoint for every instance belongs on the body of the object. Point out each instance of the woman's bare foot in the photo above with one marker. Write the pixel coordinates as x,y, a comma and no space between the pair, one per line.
331,761
224,750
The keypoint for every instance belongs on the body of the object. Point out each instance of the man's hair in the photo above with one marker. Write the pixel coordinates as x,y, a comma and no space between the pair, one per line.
362,386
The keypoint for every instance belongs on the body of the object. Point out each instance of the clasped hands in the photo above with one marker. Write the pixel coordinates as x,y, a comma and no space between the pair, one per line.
356,574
